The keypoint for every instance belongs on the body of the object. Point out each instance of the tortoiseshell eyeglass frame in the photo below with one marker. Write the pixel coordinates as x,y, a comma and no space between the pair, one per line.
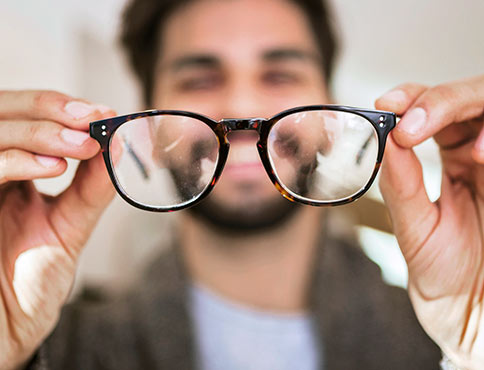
103,130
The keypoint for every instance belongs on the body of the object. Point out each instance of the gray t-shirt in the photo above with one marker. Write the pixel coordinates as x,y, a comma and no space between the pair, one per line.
232,336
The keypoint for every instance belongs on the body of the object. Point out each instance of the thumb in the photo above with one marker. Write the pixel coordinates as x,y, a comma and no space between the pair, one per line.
76,211
413,215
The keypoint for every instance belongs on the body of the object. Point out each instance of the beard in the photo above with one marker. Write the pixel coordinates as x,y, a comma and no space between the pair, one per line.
250,218
253,215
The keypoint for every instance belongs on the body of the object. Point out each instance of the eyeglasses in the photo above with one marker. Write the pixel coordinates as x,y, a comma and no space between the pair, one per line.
320,155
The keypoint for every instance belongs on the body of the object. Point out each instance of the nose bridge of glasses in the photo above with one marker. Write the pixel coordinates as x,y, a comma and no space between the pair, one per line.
234,124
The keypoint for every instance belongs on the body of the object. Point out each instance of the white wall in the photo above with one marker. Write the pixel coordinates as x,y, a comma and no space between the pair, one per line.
71,46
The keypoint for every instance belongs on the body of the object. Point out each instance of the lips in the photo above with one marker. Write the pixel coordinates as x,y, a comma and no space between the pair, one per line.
247,171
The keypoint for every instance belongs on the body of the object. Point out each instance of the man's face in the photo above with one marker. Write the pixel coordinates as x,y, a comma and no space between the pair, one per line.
239,59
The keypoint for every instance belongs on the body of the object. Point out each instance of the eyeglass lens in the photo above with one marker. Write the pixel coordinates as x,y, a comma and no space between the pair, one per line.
164,161
323,155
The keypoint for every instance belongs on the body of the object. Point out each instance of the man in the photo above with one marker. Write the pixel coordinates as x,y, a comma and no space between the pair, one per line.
244,259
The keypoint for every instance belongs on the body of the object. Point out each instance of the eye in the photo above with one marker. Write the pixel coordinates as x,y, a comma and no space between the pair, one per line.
200,83
281,77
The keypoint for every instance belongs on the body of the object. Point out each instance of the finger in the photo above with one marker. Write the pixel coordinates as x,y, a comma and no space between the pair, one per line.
76,211
478,149
17,165
48,138
458,134
399,99
413,214
50,105
458,162
439,107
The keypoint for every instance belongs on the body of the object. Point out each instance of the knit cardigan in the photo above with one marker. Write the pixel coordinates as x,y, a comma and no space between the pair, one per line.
361,322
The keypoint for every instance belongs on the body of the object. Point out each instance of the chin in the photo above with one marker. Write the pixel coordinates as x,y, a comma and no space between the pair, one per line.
244,211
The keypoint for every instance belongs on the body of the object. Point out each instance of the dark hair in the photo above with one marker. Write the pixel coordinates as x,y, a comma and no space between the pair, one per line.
142,20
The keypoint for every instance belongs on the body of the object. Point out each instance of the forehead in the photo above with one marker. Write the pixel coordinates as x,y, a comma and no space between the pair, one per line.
237,29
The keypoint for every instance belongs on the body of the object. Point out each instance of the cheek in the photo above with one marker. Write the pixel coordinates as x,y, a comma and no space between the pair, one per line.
277,100
304,95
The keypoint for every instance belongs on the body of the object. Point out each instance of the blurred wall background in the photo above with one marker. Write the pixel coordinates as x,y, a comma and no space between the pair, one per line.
72,47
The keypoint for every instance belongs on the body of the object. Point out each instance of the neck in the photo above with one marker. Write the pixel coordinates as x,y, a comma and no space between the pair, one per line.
270,270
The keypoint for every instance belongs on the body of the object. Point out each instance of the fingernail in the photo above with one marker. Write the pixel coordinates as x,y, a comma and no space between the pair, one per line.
397,96
413,121
47,161
79,109
103,108
74,137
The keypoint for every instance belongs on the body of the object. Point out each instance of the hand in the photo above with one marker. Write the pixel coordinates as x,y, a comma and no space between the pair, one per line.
40,236
442,242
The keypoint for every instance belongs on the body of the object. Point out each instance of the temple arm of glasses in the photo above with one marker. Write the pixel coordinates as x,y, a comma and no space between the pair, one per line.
137,160
363,149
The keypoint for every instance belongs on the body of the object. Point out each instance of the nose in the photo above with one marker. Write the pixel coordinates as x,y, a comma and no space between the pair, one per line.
243,99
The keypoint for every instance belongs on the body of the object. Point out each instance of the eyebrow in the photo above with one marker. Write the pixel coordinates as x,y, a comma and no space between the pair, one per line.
283,54
211,61
195,60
